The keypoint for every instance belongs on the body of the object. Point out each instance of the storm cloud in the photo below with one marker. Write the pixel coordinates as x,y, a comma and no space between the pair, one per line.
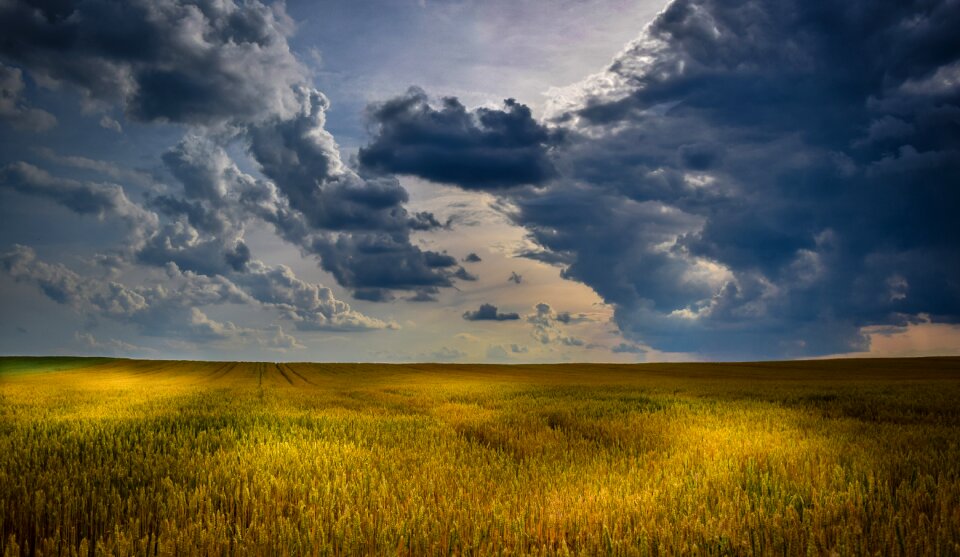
14,108
174,308
170,60
759,178
356,225
489,312
101,200
744,180
225,71
155,310
549,325
481,149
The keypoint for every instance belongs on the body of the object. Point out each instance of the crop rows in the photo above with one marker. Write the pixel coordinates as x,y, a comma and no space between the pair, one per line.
175,458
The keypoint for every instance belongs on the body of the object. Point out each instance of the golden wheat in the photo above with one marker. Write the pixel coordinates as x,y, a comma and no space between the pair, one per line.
120,457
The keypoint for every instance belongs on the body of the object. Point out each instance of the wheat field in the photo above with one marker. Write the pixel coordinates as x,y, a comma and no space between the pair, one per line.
125,457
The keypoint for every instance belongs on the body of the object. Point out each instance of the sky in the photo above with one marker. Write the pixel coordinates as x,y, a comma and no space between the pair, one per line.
480,181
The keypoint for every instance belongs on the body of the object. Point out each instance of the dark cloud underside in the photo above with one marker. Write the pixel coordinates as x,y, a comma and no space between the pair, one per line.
483,149
746,179
489,312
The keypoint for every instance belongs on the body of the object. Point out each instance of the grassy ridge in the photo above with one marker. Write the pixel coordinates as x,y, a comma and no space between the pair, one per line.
220,458
33,364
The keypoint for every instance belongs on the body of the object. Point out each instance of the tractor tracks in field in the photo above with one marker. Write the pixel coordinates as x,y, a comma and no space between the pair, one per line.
296,373
283,373
277,374
222,371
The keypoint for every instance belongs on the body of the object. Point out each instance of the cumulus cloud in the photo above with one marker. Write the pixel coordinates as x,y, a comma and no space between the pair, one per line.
281,341
464,274
100,200
203,226
309,306
548,326
226,71
356,225
119,174
472,258
174,309
518,349
109,123
497,353
762,179
13,107
303,160
357,229
774,181
427,294
86,198
156,310
627,348
489,312
111,346
444,354
751,179
481,149
169,60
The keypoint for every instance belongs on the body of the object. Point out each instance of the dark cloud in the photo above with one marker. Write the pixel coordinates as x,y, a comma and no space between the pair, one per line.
100,200
199,243
424,295
767,149
515,277
85,198
13,107
548,326
155,310
169,60
357,226
464,274
304,162
227,72
109,123
309,306
174,309
699,156
203,169
472,258
377,260
758,179
179,243
627,348
488,312
115,172
204,223
374,295
198,216
481,149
